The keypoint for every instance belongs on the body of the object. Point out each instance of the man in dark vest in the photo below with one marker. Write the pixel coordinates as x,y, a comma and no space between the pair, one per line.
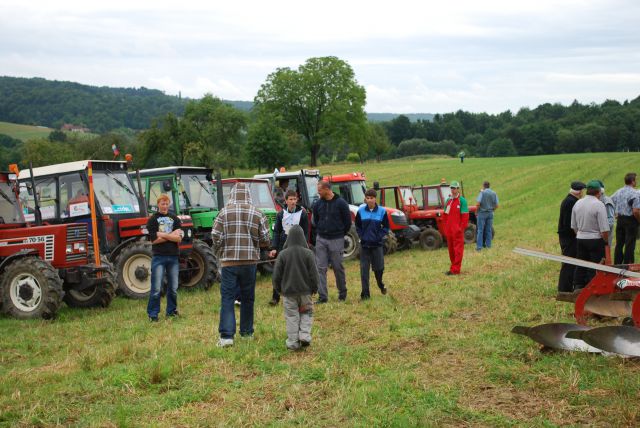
567,236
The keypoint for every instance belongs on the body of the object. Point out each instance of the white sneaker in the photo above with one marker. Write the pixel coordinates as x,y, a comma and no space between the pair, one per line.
224,343
237,303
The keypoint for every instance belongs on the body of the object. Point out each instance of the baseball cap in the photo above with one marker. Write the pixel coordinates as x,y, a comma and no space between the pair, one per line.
594,184
455,184
577,185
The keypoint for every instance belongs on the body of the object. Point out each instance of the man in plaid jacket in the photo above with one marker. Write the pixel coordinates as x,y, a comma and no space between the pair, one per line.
238,233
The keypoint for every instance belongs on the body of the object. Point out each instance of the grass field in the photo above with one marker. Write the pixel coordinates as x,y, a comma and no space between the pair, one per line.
24,132
436,351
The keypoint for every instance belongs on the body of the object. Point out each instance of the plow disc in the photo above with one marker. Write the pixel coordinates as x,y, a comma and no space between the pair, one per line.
617,339
554,335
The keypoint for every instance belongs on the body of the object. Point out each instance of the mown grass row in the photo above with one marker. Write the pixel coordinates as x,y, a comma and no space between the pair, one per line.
435,351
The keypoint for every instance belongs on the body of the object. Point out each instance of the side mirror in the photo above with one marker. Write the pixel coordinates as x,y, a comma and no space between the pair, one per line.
166,185
376,185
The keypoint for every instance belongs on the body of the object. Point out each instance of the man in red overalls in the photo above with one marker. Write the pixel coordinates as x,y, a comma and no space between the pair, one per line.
456,218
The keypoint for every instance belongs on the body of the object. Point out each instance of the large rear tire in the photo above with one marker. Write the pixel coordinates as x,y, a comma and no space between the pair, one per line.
391,243
133,270
351,244
202,267
30,288
99,295
430,239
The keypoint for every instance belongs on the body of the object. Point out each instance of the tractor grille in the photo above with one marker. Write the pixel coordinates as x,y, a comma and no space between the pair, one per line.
400,221
76,257
77,233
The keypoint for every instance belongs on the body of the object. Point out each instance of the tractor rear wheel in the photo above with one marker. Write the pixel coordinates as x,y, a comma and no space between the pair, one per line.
351,244
97,296
30,288
133,270
202,267
470,233
391,243
430,239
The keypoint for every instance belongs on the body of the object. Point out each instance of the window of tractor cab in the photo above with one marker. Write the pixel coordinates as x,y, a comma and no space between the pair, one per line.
433,198
47,197
260,194
390,198
161,186
357,193
9,210
311,183
407,196
114,192
74,196
198,190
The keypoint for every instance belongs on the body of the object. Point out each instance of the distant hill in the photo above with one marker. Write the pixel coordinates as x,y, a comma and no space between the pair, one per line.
24,132
386,117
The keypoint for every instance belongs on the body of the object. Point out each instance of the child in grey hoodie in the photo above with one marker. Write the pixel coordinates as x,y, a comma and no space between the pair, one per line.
295,277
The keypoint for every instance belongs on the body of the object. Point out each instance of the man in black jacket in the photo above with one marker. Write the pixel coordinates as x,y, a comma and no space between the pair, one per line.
567,236
332,221
291,215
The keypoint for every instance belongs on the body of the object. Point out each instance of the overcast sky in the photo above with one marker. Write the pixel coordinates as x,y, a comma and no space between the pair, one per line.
412,57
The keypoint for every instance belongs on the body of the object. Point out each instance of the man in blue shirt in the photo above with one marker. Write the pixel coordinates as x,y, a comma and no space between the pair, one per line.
627,205
486,203
372,226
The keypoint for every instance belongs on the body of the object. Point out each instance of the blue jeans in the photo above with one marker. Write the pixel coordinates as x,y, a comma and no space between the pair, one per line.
485,222
160,265
234,277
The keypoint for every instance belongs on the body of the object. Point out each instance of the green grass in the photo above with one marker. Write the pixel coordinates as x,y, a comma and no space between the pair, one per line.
436,351
24,132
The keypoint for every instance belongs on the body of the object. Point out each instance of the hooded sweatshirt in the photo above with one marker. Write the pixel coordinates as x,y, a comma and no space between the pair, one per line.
295,273
240,229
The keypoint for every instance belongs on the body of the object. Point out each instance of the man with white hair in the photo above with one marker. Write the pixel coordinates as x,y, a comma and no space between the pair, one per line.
567,236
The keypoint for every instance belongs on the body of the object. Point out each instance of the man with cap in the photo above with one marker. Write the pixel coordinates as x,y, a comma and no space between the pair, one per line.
589,221
456,218
567,236
486,204
627,205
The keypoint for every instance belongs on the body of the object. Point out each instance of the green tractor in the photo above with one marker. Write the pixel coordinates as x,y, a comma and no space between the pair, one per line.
191,194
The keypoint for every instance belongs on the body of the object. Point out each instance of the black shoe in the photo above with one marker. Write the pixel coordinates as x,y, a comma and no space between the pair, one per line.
321,301
383,290
342,299
365,297
448,272
175,314
153,319
304,343
273,302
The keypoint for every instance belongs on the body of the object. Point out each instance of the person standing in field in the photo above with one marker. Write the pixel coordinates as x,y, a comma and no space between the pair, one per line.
456,219
295,276
611,211
589,221
332,221
291,215
372,226
165,235
627,206
239,231
486,204
567,236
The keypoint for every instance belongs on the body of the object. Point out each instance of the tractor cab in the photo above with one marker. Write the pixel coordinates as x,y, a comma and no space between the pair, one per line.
10,212
304,182
190,191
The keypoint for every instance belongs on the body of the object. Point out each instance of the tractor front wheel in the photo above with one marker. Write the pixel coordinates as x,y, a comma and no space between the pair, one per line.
202,267
30,288
351,244
391,243
133,267
99,295
430,239
470,233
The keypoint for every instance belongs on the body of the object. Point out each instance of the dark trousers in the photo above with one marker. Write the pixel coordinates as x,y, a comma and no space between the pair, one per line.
371,258
626,233
591,250
568,246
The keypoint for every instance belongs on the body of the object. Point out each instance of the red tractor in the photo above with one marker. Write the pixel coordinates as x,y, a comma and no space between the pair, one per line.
63,190
351,187
424,206
41,266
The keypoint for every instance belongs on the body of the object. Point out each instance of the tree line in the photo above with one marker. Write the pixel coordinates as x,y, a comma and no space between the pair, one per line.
313,115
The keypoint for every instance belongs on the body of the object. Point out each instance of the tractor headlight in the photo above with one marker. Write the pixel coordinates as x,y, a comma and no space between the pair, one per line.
69,248
188,233
398,214
80,247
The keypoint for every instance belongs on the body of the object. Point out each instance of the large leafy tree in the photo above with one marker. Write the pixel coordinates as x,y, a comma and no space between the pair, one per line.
321,101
